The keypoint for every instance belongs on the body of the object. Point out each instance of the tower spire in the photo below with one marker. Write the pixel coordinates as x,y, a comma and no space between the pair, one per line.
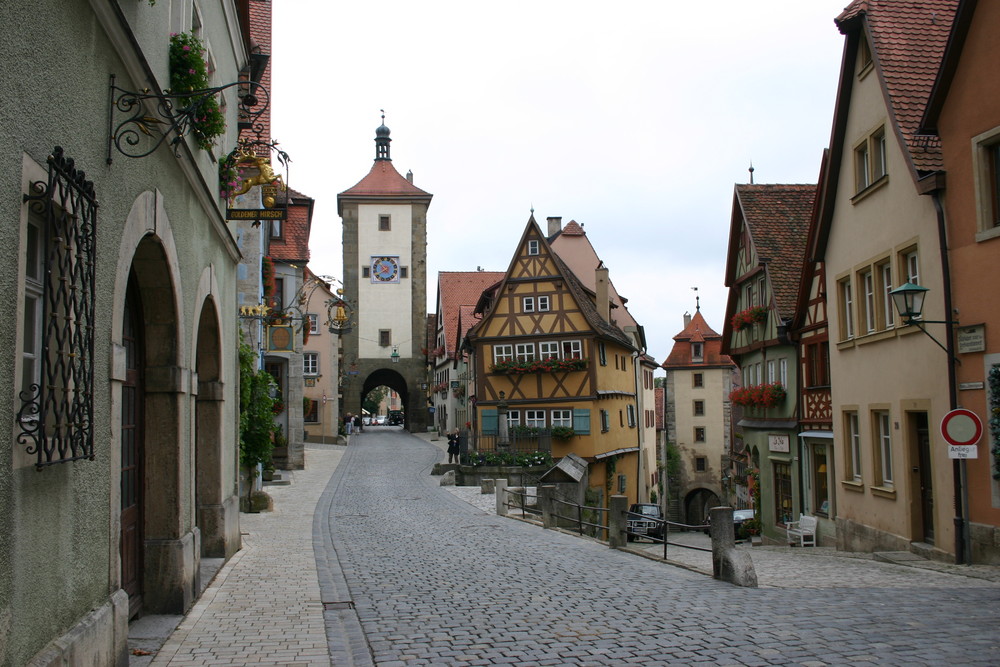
382,141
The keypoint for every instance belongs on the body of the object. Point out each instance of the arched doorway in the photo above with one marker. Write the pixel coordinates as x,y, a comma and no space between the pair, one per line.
132,440
210,513
697,503
389,378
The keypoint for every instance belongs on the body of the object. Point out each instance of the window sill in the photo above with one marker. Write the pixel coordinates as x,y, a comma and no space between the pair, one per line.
987,234
851,485
876,185
876,336
845,344
884,492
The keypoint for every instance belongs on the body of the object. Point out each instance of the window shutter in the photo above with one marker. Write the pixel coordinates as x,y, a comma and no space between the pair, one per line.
489,422
581,422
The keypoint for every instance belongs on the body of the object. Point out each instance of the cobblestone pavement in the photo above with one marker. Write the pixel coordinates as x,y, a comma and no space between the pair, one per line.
436,580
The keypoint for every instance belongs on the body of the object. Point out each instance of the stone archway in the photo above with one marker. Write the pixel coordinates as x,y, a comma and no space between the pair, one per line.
210,510
389,378
697,503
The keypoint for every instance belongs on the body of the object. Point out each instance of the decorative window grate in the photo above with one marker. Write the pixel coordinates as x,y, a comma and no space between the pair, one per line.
57,410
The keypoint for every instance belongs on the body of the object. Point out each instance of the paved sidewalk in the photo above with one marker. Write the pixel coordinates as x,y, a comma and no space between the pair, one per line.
263,607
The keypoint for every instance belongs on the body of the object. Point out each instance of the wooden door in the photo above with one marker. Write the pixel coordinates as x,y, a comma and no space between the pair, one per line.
132,455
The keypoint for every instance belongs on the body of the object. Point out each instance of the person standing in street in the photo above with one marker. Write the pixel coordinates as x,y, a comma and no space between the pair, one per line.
348,423
453,449
358,426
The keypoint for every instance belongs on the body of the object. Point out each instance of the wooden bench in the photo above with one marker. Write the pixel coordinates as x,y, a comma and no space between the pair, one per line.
803,530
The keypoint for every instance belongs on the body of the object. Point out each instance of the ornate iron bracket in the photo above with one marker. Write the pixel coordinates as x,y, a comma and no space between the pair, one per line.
338,311
153,118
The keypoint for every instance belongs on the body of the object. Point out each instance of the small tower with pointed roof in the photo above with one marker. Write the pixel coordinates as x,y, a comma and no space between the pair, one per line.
385,277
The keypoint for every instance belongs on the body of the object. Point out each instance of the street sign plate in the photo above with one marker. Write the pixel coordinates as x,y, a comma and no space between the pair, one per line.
961,427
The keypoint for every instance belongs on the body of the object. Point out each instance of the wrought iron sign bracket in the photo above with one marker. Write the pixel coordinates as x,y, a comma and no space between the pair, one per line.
139,122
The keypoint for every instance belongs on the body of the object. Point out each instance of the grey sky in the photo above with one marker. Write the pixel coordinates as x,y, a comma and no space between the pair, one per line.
635,121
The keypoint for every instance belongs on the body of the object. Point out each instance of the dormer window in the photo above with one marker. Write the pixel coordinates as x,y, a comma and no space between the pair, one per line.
697,351
533,247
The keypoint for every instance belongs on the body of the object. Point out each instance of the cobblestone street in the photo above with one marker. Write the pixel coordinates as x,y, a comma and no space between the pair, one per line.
410,573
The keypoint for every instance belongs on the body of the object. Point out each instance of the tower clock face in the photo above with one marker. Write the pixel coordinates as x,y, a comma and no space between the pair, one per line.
385,269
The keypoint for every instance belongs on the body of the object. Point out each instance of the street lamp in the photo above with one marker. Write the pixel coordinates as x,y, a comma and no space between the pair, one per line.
909,302
394,357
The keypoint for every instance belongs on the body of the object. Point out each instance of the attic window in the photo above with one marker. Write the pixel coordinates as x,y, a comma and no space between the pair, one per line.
697,351
275,229
533,247
864,57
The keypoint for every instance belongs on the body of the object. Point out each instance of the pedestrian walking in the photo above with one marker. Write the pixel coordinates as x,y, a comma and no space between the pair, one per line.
453,449
358,426
348,423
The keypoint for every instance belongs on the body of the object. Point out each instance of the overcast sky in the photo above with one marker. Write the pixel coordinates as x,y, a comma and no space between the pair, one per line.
636,121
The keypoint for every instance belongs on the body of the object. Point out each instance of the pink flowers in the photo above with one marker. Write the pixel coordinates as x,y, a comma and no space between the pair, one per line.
745,318
758,396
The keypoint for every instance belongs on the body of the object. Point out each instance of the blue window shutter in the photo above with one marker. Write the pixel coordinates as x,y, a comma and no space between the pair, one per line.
489,422
581,421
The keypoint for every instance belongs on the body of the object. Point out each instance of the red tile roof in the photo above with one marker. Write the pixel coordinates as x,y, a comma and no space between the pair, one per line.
457,289
778,217
383,179
573,228
697,331
293,246
908,42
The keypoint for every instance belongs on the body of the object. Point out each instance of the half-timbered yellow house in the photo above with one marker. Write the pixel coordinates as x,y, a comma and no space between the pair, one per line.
551,366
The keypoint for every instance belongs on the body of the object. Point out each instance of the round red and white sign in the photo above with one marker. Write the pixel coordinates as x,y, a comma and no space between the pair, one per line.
962,427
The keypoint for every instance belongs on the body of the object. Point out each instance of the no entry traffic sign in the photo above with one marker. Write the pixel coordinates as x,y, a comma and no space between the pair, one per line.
962,429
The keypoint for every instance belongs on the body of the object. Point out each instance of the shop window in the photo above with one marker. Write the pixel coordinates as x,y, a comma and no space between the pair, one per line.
782,492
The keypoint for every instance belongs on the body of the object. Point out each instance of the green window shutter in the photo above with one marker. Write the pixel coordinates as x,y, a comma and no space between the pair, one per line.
581,422
489,422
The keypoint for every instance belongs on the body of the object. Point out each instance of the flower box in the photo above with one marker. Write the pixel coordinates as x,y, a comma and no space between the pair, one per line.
758,396
752,315
515,367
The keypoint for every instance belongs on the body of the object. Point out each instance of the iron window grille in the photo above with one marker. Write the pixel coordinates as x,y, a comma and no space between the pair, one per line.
56,418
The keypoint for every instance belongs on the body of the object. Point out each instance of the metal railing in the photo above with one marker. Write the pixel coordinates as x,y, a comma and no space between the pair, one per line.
664,530
578,518
522,496
522,443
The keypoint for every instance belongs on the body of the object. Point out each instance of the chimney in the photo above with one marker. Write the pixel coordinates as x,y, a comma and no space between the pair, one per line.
603,297
555,226
687,320
409,176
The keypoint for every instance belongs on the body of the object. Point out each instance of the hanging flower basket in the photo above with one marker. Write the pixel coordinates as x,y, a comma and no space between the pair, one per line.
562,432
752,315
189,72
514,367
758,396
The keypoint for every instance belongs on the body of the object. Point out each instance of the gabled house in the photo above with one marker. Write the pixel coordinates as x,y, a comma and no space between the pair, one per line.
455,289
767,240
549,362
698,383
288,248
320,364
810,330
965,114
878,231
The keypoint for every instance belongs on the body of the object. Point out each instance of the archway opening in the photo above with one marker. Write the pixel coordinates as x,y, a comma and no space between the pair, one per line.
385,393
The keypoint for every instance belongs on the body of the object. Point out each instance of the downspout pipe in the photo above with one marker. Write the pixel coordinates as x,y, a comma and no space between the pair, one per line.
962,552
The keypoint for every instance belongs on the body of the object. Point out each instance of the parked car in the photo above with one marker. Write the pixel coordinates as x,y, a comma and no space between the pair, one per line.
649,524
380,420
739,516
396,418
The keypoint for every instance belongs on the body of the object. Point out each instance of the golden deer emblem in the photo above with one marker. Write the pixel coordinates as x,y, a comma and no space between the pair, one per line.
265,176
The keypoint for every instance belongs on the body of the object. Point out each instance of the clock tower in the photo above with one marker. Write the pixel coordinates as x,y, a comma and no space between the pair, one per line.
385,279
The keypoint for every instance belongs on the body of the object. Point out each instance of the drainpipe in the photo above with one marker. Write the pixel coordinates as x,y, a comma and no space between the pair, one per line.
963,548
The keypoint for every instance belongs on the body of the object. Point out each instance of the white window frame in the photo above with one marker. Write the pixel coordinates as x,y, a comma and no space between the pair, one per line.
868,285
503,352
528,304
772,371
854,440
631,416
534,418
313,323
888,311
911,261
883,431
31,325
847,303
561,418
310,363
513,419
548,349
697,351
533,247
544,304
783,372
571,349
524,351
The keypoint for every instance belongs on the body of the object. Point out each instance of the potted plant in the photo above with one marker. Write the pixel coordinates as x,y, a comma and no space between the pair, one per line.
562,432
189,73
749,316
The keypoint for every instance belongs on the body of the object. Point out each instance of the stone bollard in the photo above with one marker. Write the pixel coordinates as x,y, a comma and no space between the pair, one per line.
501,487
448,478
546,505
487,486
728,564
617,521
